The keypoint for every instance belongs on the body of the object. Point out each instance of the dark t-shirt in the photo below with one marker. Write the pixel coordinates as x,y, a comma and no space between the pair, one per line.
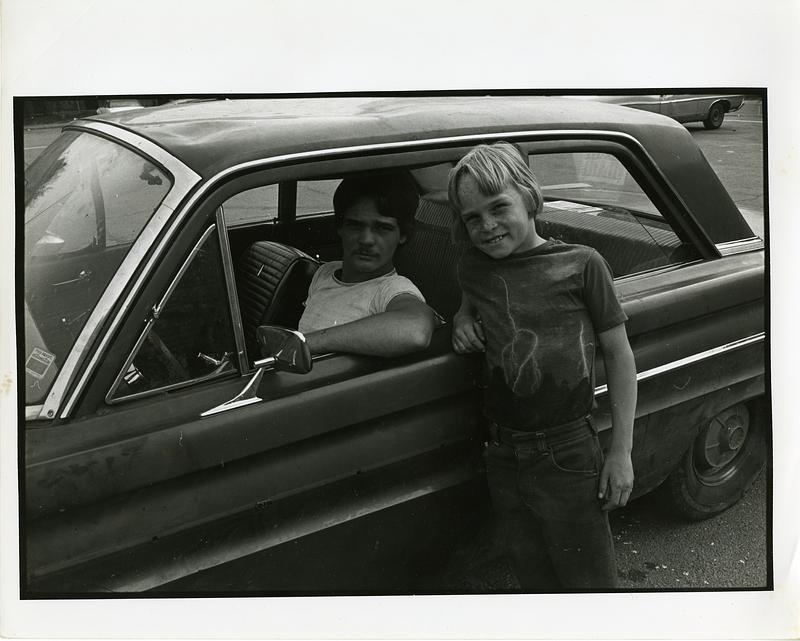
541,311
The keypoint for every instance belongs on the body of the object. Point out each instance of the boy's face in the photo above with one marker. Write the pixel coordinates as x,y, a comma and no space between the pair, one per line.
498,225
369,241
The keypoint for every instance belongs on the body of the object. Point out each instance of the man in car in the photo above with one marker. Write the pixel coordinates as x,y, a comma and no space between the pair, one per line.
360,304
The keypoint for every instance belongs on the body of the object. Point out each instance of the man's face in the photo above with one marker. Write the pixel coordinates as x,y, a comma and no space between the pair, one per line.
369,241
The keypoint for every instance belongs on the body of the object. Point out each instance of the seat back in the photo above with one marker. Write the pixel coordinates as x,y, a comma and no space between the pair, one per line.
429,257
272,283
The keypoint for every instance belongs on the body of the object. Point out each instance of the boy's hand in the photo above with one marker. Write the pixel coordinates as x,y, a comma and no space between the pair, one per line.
616,480
467,334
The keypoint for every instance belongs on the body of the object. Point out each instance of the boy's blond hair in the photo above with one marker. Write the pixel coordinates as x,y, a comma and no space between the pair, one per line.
493,167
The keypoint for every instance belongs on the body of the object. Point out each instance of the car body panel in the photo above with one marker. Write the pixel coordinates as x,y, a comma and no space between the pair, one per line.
680,107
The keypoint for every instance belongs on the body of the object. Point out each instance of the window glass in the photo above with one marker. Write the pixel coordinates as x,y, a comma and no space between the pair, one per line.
192,337
86,201
260,204
252,206
315,196
591,199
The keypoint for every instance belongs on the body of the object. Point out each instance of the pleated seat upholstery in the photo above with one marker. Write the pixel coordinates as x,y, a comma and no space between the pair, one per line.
627,245
272,283
430,256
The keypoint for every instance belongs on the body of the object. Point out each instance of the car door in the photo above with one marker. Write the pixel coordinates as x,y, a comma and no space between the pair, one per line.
188,467
685,107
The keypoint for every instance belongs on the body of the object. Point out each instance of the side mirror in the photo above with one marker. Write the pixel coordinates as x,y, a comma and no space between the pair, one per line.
287,347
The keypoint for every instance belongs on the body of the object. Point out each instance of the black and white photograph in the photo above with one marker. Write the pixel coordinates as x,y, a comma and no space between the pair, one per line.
452,353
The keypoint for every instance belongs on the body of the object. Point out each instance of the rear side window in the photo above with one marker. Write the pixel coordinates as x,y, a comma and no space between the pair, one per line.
315,196
252,206
591,199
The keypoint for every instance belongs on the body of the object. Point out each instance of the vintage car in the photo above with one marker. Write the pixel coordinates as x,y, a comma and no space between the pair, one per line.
684,107
164,452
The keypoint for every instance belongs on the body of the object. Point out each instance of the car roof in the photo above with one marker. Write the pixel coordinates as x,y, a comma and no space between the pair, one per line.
209,136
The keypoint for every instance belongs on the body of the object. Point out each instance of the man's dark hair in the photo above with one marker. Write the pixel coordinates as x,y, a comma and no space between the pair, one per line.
395,195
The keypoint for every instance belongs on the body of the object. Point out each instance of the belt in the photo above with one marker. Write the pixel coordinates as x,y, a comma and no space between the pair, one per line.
541,438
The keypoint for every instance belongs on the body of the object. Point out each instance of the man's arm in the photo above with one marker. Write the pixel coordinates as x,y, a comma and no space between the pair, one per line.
616,478
405,327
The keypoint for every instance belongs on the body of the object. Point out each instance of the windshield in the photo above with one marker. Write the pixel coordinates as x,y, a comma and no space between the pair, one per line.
86,201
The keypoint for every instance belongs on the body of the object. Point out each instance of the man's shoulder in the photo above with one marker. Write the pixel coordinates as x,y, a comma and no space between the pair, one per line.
328,269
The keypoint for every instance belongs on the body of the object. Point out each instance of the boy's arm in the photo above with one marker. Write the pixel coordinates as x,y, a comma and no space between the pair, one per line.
405,327
467,330
616,478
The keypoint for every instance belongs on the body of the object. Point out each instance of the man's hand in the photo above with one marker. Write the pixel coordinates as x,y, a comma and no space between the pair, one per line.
616,480
467,334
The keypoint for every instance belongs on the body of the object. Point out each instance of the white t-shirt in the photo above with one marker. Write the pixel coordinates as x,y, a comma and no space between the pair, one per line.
331,302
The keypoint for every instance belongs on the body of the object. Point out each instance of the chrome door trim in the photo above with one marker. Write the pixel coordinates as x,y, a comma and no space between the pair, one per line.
233,295
740,246
183,180
689,360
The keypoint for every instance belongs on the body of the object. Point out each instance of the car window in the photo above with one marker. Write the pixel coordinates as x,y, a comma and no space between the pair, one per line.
86,201
191,337
315,196
260,204
252,206
592,199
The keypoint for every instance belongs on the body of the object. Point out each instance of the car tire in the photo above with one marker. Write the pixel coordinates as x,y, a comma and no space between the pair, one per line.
715,116
721,464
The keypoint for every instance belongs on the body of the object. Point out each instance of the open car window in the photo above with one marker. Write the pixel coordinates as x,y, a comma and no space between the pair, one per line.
592,199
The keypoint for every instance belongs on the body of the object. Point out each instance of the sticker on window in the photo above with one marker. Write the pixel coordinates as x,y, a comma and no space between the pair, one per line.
38,363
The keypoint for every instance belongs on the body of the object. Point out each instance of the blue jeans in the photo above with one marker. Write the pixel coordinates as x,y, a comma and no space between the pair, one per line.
543,487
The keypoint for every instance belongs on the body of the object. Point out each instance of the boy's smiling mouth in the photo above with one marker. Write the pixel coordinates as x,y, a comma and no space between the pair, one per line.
494,239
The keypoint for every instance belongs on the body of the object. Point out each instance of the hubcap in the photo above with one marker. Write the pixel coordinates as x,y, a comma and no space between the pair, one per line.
719,442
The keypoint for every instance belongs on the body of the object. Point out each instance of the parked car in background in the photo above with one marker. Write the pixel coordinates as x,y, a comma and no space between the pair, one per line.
708,109
163,452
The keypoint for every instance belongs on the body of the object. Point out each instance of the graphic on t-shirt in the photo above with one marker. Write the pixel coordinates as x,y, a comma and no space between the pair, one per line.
518,357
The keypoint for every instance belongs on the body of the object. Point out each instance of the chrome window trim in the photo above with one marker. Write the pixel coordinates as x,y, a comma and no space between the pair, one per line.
183,179
689,360
656,270
233,295
265,163
740,246
181,174
711,98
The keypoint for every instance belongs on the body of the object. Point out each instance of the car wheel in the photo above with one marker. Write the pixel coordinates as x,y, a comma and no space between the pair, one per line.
715,116
724,460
